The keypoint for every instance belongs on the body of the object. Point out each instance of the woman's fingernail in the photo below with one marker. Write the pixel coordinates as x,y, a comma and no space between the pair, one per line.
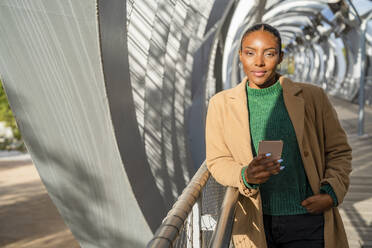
280,160
281,167
268,154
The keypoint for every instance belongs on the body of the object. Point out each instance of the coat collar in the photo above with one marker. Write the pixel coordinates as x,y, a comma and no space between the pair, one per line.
289,88
293,101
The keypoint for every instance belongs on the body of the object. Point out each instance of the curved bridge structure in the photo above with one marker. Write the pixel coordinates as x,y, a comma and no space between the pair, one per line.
111,96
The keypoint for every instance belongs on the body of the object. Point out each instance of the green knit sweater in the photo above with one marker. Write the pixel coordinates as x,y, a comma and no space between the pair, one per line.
282,194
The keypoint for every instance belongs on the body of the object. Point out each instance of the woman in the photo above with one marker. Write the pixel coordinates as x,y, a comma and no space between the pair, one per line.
287,202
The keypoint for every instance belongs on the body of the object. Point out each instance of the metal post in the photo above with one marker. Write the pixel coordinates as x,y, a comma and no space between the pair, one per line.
222,234
361,99
196,223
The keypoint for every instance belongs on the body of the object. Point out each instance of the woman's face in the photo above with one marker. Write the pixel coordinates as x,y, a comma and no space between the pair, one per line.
260,56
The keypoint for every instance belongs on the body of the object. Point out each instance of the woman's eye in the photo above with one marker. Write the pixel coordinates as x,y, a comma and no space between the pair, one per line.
249,53
269,54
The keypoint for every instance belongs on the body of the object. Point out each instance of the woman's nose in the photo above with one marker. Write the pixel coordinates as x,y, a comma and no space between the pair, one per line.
259,61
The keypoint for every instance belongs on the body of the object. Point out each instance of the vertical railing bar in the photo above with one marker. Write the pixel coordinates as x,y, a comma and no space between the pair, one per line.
189,229
222,234
196,221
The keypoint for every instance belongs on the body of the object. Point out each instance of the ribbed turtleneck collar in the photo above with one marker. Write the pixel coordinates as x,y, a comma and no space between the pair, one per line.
274,89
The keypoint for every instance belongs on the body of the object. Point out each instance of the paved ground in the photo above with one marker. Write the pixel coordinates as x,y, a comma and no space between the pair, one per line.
29,219
356,210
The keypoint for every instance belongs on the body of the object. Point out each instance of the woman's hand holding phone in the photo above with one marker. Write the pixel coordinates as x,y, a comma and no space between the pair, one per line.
261,168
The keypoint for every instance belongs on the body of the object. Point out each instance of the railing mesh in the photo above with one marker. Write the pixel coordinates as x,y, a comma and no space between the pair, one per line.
201,222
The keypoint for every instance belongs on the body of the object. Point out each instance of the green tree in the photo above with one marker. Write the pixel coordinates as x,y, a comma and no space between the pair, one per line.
6,114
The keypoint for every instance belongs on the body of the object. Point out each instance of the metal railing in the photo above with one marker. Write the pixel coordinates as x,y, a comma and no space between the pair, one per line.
193,217
222,234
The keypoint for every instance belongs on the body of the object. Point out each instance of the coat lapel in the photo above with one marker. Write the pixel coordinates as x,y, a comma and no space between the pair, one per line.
238,98
295,106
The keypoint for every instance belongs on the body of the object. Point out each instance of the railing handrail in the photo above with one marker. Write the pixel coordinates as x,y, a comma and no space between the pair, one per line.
172,224
222,234
169,230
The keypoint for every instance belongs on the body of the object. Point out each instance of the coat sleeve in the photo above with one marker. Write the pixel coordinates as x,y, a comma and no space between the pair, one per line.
219,159
337,152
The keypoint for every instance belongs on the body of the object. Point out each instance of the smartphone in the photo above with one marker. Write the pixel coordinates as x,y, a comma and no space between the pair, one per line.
274,147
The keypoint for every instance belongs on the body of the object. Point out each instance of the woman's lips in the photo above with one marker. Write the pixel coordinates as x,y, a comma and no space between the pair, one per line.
259,73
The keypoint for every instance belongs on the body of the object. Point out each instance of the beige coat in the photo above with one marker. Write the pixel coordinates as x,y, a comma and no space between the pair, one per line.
323,145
